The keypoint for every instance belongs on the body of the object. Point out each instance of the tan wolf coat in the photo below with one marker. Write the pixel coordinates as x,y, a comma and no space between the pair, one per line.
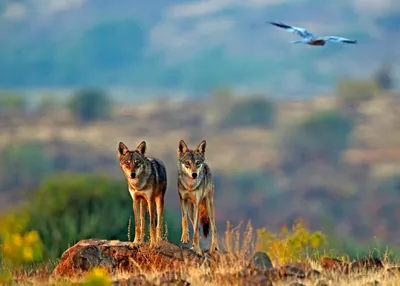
147,183
196,193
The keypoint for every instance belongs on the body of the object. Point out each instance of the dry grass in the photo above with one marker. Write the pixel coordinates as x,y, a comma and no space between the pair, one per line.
222,269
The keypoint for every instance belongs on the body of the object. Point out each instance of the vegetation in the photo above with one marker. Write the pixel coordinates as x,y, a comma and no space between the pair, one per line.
68,207
290,245
12,102
90,104
352,92
321,136
23,166
257,111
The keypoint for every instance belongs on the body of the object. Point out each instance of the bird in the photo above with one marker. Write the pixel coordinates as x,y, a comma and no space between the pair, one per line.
309,38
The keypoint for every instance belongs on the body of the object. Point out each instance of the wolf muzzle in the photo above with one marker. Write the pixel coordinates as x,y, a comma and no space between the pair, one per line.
133,175
194,175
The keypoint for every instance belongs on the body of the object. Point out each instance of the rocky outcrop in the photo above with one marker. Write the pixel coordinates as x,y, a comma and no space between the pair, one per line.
123,256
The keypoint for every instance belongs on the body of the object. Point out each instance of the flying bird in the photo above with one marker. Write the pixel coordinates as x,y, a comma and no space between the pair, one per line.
309,38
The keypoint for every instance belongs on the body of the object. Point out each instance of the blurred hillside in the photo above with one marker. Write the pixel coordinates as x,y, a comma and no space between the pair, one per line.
171,45
333,160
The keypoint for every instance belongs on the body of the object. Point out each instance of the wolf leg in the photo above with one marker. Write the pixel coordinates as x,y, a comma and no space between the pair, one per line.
160,210
211,215
196,232
136,212
185,227
143,206
152,212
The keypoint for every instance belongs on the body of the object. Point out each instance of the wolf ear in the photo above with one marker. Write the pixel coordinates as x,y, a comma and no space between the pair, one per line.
122,149
141,149
182,148
201,148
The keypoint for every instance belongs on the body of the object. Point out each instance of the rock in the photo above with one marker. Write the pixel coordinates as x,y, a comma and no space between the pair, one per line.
117,255
290,271
171,278
256,280
333,264
393,270
260,261
366,264
273,274
321,283
313,274
139,280
372,283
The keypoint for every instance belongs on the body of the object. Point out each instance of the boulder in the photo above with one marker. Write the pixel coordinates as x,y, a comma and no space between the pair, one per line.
117,255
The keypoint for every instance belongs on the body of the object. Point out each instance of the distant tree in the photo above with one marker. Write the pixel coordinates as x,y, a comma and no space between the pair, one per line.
253,111
321,136
384,77
23,166
12,101
352,92
46,102
90,104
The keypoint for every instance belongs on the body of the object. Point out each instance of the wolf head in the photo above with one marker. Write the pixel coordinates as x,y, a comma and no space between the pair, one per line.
191,161
132,163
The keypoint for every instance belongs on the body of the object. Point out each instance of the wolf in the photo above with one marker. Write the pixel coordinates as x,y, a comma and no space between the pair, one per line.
196,194
147,184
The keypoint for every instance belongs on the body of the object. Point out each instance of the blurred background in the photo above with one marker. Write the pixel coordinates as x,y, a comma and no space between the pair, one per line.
293,131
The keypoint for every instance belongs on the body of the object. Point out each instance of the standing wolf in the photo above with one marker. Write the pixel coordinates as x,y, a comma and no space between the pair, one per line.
196,193
147,183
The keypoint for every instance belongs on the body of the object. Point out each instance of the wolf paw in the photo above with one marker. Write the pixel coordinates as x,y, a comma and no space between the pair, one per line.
185,238
214,248
197,250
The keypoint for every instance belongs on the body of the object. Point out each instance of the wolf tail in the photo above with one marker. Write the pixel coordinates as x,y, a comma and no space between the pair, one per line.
204,219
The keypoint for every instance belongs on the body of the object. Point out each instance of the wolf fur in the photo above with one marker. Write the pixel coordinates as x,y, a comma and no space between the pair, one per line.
196,193
147,184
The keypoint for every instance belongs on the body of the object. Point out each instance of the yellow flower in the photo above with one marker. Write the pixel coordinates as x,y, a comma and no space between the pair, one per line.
17,240
6,248
31,237
27,253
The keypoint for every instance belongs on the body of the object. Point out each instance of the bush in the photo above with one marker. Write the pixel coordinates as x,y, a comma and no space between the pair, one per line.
18,246
67,208
352,92
256,111
289,245
384,77
323,135
12,101
90,104
23,166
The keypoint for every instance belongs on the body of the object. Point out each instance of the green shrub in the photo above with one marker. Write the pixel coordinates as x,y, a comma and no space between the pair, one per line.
90,104
67,208
352,92
255,111
323,135
290,245
23,166
12,101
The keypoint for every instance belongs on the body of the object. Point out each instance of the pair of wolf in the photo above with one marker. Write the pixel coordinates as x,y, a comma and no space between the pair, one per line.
147,184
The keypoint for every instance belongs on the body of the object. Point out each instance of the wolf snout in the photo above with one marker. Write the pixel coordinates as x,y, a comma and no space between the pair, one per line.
133,175
194,175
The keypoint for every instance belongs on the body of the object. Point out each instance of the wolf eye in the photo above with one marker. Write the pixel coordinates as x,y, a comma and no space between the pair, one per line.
127,162
187,163
137,162
198,163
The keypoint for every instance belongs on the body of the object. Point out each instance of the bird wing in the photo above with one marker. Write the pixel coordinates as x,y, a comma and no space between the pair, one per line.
335,39
304,33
